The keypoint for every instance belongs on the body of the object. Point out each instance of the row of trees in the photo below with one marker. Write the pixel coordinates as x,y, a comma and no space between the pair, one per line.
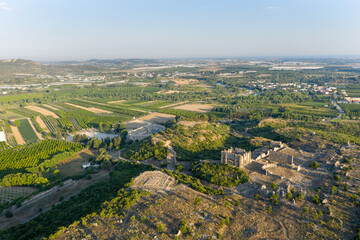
23,179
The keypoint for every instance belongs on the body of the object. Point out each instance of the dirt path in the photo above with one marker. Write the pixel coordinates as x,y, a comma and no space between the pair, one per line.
34,128
42,124
284,226
19,139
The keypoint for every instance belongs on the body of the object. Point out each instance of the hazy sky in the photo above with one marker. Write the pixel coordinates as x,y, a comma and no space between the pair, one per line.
106,29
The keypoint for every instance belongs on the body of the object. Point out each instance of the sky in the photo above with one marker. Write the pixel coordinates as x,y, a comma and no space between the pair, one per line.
59,30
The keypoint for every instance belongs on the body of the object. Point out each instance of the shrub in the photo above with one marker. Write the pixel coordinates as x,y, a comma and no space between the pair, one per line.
337,178
8,214
314,165
273,185
333,189
316,199
160,228
289,196
179,167
306,209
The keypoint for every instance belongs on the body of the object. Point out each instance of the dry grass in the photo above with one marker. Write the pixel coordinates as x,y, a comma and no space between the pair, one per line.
42,124
42,111
19,139
185,81
51,107
195,107
73,165
118,101
169,92
92,109
157,117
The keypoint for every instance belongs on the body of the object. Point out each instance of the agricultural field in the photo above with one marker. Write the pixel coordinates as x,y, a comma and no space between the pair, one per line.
42,111
90,109
201,108
3,145
140,105
9,135
312,108
157,118
31,155
8,194
49,125
42,124
27,131
17,135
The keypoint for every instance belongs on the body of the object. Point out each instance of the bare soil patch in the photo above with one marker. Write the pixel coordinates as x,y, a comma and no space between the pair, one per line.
42,124
157,117
92,109
117,101
51,107
189,123
196,107
184,81
42,111
169,92
19,139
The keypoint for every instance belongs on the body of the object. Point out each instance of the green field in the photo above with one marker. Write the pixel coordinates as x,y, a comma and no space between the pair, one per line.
27,131
316,108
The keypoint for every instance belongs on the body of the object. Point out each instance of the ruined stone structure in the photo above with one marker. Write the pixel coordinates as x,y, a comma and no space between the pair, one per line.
281,158
144,131
236,157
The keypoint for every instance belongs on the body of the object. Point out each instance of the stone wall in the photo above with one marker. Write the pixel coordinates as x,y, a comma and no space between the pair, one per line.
281,158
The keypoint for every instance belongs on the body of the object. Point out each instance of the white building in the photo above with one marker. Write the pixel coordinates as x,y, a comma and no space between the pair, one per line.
2,137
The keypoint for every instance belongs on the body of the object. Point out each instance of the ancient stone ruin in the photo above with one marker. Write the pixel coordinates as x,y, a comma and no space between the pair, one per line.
236,157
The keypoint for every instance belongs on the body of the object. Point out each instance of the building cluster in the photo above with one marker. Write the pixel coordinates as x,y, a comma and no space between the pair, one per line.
144,131
267,158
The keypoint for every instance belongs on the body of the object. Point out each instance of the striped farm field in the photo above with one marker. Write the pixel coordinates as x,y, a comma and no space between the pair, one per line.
31,155
27,131
49,124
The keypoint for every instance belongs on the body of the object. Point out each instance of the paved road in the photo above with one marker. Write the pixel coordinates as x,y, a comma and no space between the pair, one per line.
341,111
